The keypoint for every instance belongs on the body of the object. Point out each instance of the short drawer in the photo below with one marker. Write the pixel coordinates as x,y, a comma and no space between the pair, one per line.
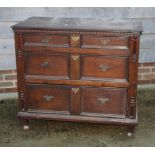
104,67
47,64
100,42
104,101
48,97
47,39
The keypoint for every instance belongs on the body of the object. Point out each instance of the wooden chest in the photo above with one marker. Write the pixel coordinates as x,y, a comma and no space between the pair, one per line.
82,70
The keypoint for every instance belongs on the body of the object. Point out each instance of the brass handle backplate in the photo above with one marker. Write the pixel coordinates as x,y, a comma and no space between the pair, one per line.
75,90
75,57
45,64
48,97
104,67
102,100
104,41
46,40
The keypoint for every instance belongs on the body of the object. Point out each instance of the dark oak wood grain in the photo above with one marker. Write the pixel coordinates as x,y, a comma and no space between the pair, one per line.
75,67
47,64
82,70
104,101
103,42
117,51
104,67
46,40
75,100
48,97
82,82
77,118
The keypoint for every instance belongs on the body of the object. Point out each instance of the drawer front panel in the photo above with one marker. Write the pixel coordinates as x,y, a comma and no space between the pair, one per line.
48,97
102,67
45,39
47,64
99,42
104,100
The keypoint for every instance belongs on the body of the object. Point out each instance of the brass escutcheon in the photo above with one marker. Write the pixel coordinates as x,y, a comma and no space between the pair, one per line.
75,57
75,38
75,90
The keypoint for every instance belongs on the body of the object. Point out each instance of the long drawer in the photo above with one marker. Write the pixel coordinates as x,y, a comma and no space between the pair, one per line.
59,66
81,41
93,101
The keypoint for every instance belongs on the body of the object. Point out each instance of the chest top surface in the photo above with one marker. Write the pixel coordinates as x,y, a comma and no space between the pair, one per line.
79,24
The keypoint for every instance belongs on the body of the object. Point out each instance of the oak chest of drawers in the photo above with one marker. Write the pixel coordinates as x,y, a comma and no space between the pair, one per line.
82,70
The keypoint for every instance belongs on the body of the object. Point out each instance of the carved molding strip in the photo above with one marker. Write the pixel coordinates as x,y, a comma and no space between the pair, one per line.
19,53
132,107
132,101
21,94
134,54
20,72
106,33
134,58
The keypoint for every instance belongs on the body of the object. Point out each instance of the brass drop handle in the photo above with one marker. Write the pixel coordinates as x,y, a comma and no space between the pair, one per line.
102,100
45,64
104,67
48,97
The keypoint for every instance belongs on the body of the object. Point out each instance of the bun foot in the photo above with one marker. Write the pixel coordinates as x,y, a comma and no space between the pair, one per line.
26,127
130,130
25,124
129,134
